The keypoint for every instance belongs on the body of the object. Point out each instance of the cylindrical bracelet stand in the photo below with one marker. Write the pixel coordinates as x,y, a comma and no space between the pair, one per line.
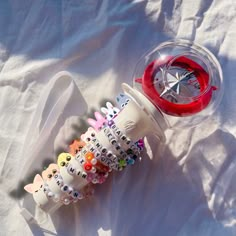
177,81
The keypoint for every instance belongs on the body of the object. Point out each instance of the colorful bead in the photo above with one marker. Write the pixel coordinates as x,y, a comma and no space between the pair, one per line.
122,163
110,123
130,161
101,180
89,177
87,166
140,144
89,156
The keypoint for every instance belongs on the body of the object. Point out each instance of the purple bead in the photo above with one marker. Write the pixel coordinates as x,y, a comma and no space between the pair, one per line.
140,144
110,123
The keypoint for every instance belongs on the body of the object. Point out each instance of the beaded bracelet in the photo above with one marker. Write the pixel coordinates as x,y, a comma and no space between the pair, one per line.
118,133
121,160
72,194
131,153
101,154
96,171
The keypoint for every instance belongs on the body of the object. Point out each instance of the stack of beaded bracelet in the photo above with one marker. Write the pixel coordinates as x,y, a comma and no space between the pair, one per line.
88,161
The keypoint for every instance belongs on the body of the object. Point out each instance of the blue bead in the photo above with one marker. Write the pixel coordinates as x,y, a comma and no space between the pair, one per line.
131,161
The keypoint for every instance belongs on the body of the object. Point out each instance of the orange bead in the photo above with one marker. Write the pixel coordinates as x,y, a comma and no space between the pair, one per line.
89,156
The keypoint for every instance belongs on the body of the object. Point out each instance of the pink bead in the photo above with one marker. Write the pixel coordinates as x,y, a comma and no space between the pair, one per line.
101,180
89,177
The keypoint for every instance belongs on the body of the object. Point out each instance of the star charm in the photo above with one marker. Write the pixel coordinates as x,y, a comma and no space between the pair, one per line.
175,81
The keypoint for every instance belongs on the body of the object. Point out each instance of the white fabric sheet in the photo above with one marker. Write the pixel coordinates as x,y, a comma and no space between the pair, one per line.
185,187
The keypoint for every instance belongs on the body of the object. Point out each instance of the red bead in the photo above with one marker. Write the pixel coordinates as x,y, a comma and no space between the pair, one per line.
88,166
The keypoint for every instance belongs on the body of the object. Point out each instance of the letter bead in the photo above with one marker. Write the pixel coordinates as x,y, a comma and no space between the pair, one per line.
69,190
82,161
104,150
64,188
70,169
84,175
75,194
59,182
118,133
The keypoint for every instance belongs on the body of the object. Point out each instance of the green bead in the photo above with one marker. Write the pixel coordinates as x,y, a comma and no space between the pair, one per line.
122,163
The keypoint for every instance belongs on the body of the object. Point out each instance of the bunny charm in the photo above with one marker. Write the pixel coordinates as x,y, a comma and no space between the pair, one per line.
111,112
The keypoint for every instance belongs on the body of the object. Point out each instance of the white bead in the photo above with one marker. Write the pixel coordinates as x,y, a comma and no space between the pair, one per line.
94,181
93,170
66,201
82,161
64,188
71,170
97,154
114,158
56,176
109,154
93,161
78,155
60,182
69,190
75,194
84,175
103,159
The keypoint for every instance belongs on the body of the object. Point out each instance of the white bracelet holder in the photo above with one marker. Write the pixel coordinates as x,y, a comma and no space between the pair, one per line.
138,119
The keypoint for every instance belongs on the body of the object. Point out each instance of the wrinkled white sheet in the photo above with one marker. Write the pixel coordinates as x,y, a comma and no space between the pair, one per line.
183,188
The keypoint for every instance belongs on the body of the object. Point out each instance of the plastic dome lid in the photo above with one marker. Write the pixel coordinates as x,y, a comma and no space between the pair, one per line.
182,79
